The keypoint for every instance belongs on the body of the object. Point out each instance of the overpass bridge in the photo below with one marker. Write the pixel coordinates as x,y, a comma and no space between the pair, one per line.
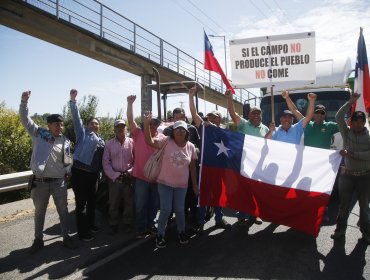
94,30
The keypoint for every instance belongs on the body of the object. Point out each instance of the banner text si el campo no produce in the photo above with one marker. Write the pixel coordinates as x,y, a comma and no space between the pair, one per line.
270,60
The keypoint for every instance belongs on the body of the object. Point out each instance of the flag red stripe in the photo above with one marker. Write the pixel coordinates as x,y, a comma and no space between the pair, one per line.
211,64
298,209
366,87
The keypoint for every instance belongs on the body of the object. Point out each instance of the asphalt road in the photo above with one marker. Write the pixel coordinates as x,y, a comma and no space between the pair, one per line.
267,251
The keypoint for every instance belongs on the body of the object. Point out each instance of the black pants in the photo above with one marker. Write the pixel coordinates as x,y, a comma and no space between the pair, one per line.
83,185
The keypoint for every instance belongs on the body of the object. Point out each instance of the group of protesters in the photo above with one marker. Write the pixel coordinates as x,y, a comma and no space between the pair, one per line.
134,200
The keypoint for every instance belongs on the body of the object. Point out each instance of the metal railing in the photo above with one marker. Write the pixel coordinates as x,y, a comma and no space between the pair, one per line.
94,17
14,181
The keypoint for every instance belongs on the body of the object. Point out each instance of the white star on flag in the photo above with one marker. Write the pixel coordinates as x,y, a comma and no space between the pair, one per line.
222,148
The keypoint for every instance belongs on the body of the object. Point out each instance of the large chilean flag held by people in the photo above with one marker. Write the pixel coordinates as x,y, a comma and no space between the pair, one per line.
280,182
362,79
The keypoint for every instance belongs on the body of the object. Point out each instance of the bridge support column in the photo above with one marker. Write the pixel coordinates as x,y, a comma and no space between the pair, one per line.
146,94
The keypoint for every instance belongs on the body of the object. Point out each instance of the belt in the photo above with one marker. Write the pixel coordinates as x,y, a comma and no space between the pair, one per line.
46,179
355,173
84,169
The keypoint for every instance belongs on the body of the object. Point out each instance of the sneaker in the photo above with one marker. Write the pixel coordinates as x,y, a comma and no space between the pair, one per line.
140,235
242,222
198,229
152,230
183,238
258,221
36,245
86,237
223,224
95,229
160,242
338,234
69,243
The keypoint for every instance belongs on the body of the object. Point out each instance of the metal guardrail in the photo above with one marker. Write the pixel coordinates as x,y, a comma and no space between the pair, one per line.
102,21
14,181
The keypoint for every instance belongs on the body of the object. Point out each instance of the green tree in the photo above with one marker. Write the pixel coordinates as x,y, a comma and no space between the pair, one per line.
88,107
15,143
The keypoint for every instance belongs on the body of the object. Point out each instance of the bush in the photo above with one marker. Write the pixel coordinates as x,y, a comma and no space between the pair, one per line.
15,143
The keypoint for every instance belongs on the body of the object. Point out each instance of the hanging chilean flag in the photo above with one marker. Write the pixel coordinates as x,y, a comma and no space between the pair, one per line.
211,63
362,80
280,182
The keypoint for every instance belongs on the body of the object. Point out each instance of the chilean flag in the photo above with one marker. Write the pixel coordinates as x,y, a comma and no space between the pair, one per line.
211,63
362,80
280,182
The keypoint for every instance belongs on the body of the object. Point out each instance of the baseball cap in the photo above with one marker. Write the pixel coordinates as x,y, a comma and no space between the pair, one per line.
215,113
320,107
287,112
358,115
178,111
54,118
180,124
118,122
255,108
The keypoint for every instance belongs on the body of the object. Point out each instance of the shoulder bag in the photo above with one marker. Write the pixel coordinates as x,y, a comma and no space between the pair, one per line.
153,165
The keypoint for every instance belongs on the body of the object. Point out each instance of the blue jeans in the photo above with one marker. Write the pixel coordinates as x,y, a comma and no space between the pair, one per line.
169,196
201,213
40,195
146,204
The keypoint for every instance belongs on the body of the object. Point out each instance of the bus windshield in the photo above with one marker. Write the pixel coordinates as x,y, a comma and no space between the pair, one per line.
332,101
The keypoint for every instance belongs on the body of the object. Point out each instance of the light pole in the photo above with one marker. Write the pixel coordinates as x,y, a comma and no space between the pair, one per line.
222,36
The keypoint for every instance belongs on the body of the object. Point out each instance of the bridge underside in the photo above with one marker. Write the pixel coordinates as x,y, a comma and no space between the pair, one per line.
21,17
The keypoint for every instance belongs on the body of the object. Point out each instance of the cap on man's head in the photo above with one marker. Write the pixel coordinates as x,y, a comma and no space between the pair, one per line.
178,111
180,124
118,122
54,118
319,108
358,116
255,108
287,113
215,113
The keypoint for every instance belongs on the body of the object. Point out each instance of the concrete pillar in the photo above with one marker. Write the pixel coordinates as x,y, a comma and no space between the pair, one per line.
146,94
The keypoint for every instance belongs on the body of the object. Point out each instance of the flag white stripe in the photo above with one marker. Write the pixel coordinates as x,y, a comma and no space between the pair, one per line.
288,165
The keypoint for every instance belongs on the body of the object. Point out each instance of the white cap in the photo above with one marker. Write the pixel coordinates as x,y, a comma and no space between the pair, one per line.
118,122
180,124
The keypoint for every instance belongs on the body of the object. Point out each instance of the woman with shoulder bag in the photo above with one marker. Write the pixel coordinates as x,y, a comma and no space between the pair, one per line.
179,156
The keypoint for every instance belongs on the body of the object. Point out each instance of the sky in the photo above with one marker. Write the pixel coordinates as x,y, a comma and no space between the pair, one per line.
49,71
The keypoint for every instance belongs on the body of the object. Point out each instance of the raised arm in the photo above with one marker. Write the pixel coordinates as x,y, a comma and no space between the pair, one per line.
310,109
148,137
298,115
194,114
76,118
130,113
26,121
230,106
339,117
271,131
